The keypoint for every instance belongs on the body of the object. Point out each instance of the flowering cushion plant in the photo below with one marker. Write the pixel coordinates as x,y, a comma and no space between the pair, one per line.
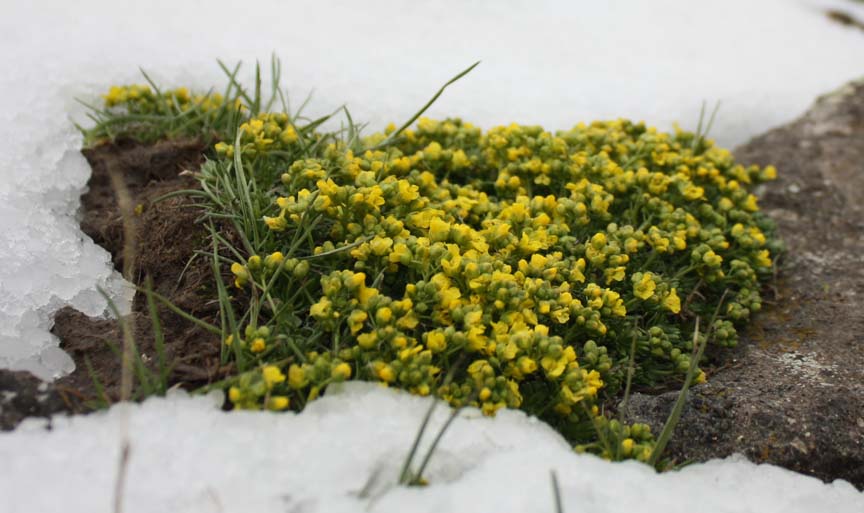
514,268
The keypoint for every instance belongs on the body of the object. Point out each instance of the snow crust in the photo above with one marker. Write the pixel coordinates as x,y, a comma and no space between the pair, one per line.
550,63
189,456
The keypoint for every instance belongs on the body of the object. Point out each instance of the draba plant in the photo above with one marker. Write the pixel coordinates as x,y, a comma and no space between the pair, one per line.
535,269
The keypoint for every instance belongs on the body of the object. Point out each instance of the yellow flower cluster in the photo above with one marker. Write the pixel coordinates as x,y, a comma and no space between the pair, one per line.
622,442
253,390
141,99
519,262
509,268
262,134
118,95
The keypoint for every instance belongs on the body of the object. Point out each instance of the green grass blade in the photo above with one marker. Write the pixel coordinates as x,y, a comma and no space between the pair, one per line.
102,400
419,113
158,338
678,408
177,310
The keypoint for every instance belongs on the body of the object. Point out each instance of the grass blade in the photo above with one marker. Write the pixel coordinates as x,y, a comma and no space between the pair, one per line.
158,337
419,113
678,408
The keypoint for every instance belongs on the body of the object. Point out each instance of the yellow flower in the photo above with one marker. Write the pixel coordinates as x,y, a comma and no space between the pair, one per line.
224,149
626,446
692,192
561,315
400,254
406,191
672,302
644,287
274,259
615,273
272,375
296,376
380,245
460,160
383,315
408,321
258,345
386,374
234,394
365,295
116,95
341,371
453,265
433,151
439,230
526,365
763,258
555,366
449,297
289,135
321,310
356,280
356,320
436,341
241,275
750,204
712,259
277,402
277,224
473,318
367,340
598,241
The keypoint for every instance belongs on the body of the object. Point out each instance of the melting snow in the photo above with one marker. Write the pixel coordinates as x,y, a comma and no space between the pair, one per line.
547,63
189,456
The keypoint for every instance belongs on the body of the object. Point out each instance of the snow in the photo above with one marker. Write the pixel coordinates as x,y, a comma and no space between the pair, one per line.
550,63
553,63
189,456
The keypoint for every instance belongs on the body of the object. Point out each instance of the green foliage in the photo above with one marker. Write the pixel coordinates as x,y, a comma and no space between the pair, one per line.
541,271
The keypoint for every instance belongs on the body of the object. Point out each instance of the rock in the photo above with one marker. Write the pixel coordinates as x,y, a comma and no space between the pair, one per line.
792,393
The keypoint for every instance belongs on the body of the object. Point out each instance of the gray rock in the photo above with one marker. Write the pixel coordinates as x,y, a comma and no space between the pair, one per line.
792,393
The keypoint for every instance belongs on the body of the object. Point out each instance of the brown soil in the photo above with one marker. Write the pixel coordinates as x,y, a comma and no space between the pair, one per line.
167,236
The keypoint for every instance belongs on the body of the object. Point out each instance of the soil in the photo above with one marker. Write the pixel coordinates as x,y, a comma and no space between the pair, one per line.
167,236
23,395
791,394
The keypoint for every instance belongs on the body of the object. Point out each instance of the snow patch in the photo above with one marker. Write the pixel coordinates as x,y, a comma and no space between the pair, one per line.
551,63
189,456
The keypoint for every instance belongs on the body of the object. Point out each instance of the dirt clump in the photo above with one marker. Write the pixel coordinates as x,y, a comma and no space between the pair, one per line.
23,395
168,235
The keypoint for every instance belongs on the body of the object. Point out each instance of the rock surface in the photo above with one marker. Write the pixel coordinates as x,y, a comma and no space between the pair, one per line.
792,393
